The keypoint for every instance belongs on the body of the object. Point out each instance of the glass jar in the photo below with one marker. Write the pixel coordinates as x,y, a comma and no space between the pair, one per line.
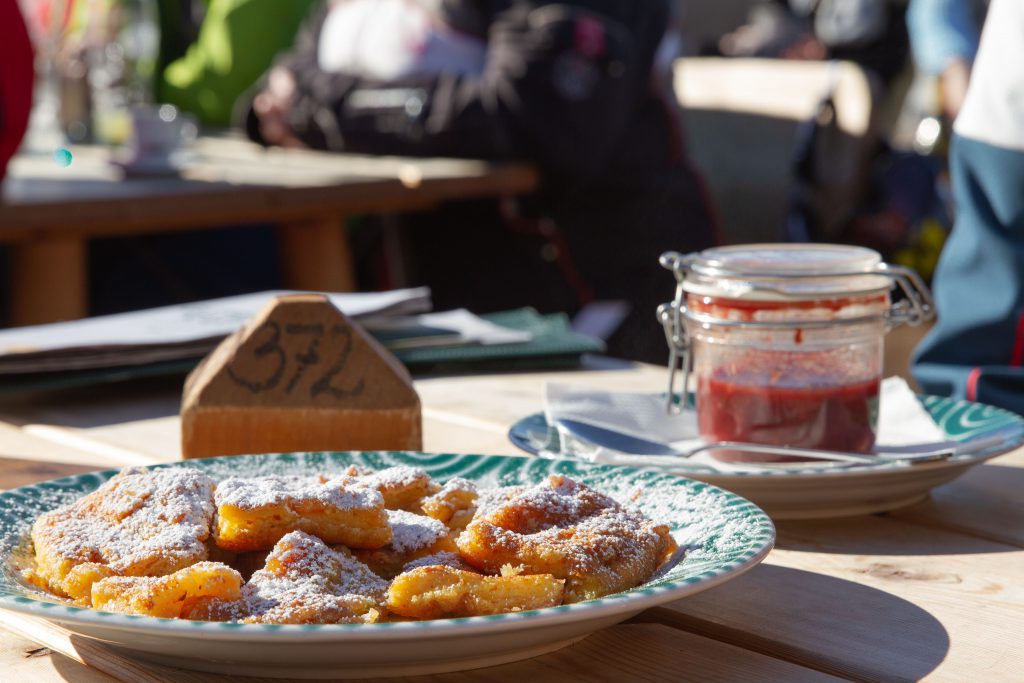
785,341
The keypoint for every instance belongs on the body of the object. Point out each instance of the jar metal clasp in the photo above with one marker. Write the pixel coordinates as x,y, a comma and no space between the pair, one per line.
915,306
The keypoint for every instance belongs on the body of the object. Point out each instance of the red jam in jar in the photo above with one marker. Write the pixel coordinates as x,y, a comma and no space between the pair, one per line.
787,346
840,418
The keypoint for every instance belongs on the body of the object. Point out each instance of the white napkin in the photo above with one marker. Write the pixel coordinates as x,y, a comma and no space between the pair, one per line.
902,419
640,415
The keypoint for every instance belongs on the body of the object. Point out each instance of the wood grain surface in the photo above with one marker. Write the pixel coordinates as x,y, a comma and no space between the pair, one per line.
49,213
231,181
930,592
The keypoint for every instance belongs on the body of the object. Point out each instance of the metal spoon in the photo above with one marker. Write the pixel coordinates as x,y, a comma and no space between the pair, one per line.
626,443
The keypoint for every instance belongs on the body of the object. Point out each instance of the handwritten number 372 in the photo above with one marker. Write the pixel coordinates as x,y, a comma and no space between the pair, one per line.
276,355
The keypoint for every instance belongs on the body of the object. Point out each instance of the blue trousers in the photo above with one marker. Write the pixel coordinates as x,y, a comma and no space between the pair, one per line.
976,350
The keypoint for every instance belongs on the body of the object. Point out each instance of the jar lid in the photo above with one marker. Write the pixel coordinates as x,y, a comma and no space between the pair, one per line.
786,271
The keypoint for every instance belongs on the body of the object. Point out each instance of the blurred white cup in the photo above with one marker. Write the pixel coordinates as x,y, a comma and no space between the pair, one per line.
157,132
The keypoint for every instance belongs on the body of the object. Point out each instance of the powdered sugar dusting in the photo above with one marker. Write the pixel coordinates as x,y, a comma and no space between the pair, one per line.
305,581
492,497
140,522
396,477
567,529
717,530
557,502
341,492
456,485
411,532
444,559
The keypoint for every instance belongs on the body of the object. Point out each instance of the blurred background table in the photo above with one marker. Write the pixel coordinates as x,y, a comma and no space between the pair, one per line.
48,213
930,591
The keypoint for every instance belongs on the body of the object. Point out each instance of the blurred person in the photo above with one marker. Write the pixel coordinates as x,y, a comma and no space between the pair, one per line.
237,41
871,33
17,74
944,38
210,52
16,80
976,349
581,89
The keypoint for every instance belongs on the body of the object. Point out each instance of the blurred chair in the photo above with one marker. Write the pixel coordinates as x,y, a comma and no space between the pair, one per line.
750,121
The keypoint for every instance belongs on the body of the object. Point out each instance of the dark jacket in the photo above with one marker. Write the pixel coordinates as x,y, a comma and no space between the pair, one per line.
570,87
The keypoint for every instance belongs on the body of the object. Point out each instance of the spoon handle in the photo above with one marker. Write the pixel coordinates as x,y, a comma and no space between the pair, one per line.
818,454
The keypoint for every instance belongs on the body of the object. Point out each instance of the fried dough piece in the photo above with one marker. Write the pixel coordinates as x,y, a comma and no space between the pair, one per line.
440,591
445,558
403,487
412,536
454,504
573,532
489,499
306,582
178,595
254,514
139,523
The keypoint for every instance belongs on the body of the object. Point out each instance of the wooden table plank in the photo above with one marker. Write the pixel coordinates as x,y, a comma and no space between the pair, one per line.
984,502
23,659
17,472
445,435
233,181
874,599
16,443
932,591
50,280
315,254
626,652
512,396
48,213
96,421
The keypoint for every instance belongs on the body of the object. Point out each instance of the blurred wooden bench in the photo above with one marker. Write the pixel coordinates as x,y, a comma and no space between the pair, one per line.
48,214
742,118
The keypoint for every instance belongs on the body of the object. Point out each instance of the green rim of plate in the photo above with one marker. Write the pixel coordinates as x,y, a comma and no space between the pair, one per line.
961,421
724,533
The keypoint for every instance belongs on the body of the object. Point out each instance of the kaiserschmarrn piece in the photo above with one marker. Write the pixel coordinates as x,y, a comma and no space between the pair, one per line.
454,504
355,547
139,523
185,594
444,558
565,529
403,487
254,514
307,582
412,536
441,591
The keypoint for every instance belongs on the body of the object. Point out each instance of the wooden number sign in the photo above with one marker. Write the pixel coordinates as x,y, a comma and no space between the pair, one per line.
300,376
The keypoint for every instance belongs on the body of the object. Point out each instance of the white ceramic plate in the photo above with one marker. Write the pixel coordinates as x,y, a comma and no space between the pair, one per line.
725,536
825,489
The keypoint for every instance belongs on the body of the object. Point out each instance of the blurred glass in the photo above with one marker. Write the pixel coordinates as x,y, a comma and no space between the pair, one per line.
121,67
47,21
95,61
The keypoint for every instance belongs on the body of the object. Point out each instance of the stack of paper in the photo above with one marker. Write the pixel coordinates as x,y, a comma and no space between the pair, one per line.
166,333
174,338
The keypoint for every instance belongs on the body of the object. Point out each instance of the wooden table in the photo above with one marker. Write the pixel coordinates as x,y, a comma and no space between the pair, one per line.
48,214
933,591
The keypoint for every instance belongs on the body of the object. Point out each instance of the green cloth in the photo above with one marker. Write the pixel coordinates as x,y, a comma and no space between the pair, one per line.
237,43
554,345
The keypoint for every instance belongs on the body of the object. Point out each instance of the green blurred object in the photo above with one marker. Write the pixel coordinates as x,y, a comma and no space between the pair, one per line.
554,345
923,249
237,42
62,157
